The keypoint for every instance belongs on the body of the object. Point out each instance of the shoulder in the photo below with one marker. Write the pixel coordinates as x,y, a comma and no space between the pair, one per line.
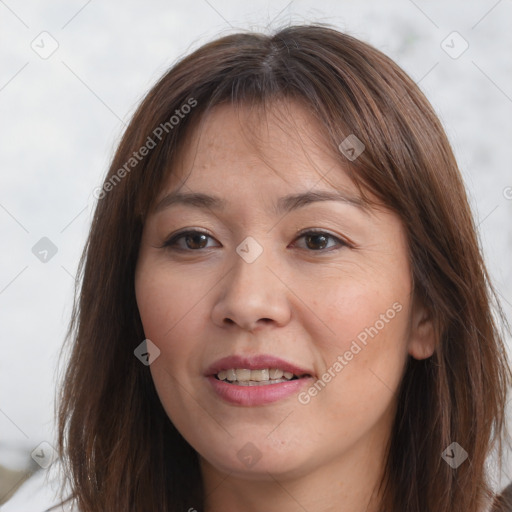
503,502
40,493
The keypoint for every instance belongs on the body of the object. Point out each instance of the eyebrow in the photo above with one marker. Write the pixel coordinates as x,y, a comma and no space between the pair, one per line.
284,204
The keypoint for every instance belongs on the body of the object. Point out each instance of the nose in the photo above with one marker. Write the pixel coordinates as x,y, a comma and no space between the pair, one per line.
252,295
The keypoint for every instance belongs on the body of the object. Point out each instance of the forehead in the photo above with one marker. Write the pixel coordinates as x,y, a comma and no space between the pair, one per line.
282,143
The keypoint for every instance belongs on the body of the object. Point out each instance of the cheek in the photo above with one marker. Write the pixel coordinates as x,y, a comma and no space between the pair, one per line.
356,311
160,311
173,317
366,348
165,300
155,309
168,318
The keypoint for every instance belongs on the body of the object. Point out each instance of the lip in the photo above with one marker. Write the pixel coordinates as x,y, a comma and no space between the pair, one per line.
256,395
255,362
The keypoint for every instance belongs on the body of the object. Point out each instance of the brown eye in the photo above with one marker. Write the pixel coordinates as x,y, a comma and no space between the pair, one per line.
316,241
193,241
319,240
196,241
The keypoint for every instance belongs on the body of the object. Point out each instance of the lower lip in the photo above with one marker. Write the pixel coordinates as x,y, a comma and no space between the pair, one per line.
257,395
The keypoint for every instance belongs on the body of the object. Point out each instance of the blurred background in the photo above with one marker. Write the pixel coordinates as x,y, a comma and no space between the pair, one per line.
72,74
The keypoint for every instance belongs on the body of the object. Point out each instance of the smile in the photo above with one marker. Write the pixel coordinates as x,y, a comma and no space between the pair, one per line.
261,377
256,379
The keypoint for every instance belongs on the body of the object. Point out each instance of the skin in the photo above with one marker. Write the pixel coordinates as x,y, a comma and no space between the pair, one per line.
302,300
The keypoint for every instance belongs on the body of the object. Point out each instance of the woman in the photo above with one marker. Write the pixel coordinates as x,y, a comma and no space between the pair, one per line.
283,302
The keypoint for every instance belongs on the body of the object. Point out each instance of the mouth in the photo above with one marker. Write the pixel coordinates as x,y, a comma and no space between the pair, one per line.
257,377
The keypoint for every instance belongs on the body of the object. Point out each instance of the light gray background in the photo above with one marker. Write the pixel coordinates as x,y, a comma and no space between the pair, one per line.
62,116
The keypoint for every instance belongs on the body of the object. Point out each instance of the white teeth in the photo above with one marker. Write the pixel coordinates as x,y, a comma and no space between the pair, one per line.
275,373
259,375
263,383
243,375
246,377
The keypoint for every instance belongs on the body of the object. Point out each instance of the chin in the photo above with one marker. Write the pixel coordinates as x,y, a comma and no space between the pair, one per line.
251,463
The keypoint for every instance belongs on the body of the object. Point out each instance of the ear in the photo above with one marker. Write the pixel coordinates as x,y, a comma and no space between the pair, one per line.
422,342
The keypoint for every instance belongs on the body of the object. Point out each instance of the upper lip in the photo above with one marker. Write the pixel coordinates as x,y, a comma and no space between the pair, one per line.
255,362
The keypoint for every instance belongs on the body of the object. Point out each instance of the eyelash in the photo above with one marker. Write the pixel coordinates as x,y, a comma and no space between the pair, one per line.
170,243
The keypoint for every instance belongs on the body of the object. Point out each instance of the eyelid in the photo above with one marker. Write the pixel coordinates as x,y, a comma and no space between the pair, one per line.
342,241
186,231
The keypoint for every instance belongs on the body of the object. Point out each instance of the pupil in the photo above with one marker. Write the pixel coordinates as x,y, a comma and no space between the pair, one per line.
310,237
192,237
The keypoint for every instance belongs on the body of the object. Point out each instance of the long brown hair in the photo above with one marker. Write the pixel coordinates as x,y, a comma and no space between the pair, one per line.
119,447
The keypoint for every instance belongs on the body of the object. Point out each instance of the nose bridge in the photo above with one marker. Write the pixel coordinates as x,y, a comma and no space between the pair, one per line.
250,267
252,292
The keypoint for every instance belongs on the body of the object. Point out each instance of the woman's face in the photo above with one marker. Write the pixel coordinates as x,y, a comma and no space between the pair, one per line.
255,294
